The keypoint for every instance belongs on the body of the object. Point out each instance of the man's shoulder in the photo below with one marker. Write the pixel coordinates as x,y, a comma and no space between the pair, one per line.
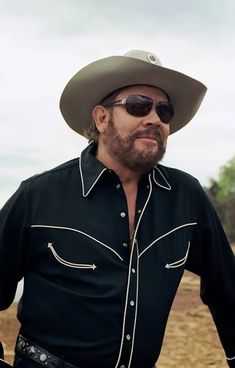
176,176
56,172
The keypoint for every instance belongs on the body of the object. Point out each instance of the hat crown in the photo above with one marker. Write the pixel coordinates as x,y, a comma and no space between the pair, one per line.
144,56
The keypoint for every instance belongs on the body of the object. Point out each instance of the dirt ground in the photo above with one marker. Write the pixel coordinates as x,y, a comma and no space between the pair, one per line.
191,340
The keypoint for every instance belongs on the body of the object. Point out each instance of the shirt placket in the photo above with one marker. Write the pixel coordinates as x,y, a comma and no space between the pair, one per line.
131,305
131,309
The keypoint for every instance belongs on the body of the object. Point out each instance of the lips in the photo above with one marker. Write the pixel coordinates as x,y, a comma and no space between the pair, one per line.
150,134
153,138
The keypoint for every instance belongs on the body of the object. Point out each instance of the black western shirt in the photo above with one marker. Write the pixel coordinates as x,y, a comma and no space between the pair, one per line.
91,294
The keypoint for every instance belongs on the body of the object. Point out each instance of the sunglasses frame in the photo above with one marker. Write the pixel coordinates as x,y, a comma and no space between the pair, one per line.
158,105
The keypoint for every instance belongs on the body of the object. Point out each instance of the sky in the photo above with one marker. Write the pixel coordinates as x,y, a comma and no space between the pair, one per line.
44,43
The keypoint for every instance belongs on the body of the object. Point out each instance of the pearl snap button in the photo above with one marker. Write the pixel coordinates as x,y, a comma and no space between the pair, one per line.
122,214
43,357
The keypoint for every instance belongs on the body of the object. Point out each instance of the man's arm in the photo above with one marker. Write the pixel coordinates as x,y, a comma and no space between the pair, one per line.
212,258
14,252
14,246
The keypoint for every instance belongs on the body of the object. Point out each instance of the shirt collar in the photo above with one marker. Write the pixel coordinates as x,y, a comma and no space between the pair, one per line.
92,169
160,177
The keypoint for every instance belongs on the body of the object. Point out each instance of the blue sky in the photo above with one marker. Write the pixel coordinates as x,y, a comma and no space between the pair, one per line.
44,43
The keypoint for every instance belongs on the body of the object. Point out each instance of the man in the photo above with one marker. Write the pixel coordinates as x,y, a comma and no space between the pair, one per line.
102,241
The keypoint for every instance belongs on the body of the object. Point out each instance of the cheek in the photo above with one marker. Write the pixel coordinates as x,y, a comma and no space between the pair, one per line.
165,131
125,124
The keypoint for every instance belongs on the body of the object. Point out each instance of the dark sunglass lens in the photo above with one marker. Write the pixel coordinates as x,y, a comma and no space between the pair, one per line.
138,105
165,111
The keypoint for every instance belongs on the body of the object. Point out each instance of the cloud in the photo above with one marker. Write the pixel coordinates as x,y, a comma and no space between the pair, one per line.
65,18
46,42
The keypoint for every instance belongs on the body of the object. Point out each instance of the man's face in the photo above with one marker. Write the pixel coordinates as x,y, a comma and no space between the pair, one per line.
136,143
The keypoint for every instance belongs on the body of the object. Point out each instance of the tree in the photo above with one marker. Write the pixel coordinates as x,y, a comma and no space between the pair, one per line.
227,179
222,194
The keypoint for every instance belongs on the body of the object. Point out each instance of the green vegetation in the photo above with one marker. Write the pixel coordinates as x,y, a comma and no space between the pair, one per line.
222,194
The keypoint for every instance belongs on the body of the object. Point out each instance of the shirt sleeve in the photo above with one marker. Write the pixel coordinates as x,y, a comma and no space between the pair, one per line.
14,248
212,258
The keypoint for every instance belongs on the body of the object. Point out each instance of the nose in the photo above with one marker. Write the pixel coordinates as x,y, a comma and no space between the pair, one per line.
152,118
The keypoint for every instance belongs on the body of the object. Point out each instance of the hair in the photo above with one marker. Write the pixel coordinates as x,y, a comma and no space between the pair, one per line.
92,131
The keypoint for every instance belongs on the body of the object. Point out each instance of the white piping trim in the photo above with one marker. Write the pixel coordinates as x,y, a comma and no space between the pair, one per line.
125,309
180,262
70,264
230,358
136,309
129,273
169,232
81,173
80,232
155,180
145,205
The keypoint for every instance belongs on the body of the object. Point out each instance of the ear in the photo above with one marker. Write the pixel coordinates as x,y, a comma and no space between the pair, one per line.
101,117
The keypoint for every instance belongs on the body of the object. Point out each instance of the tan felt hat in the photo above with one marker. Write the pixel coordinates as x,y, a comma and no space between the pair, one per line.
94,82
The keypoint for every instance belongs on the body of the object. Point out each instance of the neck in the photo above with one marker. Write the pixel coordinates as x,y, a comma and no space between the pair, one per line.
126,175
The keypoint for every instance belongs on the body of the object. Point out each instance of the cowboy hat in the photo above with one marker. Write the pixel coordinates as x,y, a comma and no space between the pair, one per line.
97,80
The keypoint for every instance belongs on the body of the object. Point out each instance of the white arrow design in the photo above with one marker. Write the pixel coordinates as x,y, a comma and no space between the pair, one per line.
70,264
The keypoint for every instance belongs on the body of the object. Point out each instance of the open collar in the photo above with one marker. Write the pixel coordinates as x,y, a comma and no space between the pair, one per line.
91,171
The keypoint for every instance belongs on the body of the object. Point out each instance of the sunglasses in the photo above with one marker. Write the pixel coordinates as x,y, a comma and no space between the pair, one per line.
138,105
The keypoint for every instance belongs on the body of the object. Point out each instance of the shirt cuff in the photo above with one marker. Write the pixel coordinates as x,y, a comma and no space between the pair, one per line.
4,364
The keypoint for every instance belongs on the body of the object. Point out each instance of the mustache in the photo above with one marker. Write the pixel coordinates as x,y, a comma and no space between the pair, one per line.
151,132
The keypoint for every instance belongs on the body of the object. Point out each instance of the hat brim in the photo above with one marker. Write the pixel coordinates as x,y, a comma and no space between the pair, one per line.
93,83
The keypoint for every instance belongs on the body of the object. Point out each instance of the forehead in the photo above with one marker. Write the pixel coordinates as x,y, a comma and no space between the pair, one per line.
150,91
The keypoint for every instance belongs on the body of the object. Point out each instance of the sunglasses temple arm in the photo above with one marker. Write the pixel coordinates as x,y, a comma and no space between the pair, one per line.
116,102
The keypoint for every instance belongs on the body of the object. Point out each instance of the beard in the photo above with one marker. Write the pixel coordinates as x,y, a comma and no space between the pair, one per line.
126,153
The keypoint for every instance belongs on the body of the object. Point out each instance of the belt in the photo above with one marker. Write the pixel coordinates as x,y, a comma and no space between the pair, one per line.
39,355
